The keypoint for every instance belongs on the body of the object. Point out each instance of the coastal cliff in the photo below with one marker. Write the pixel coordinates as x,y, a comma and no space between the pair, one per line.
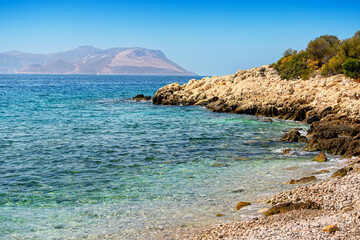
331,105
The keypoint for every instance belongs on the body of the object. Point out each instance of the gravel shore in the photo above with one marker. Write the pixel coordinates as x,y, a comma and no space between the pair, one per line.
339,202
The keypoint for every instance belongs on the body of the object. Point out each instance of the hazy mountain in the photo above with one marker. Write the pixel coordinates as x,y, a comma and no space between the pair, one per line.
91,60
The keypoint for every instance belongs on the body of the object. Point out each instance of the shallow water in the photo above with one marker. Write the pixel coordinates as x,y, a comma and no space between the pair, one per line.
79,159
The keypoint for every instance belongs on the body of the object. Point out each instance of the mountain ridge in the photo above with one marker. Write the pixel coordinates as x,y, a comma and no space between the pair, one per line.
91,60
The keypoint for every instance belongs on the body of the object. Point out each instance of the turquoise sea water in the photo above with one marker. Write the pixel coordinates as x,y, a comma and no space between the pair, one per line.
79,159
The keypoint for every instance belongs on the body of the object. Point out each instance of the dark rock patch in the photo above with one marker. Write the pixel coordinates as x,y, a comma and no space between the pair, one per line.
286,207
141,97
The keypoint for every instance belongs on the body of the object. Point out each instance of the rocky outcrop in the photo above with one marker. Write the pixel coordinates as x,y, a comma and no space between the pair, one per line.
331,105
141,97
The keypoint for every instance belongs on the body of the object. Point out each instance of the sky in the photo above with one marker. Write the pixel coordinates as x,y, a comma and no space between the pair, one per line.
204,36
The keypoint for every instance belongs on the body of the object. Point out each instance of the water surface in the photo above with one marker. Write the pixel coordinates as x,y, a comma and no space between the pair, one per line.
79,159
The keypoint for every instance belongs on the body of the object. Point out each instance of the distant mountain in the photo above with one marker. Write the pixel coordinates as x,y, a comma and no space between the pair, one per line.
91,60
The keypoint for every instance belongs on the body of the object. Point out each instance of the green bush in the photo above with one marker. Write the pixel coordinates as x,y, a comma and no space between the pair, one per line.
351,68
334,66
323,48
326,54
351,47
294,66
289,52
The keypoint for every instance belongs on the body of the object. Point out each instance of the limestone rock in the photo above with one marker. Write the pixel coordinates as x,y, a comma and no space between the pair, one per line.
293,136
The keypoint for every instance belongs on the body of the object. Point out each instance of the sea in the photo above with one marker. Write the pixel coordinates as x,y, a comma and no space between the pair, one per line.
79,159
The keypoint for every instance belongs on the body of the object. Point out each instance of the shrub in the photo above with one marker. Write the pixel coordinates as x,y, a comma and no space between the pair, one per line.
334,66
323,48
351,68
294,66
289,52
351,47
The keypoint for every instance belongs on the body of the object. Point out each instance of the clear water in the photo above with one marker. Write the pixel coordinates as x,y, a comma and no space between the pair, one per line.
79,159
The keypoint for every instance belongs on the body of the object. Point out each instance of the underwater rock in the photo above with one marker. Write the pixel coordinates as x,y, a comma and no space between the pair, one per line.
292,168
302,180
320,172
237,191
240,205
220,165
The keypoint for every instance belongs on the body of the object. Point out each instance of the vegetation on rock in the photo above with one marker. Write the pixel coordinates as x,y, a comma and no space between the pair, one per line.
326,55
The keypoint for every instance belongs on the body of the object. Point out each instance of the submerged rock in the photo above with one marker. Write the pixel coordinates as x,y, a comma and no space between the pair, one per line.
292,168
321,157
302,180
220,165
238,191
320,172
240,205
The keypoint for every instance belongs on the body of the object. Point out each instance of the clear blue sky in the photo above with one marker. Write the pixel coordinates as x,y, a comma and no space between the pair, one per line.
207,37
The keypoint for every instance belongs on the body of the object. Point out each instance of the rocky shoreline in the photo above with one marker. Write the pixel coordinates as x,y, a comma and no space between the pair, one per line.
332,107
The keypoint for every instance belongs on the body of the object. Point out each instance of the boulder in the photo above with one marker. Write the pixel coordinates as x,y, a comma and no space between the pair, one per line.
293,136
240,205
286,207
321,157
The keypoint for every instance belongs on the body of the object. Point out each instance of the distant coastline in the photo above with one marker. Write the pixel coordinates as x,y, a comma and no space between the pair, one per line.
91,60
